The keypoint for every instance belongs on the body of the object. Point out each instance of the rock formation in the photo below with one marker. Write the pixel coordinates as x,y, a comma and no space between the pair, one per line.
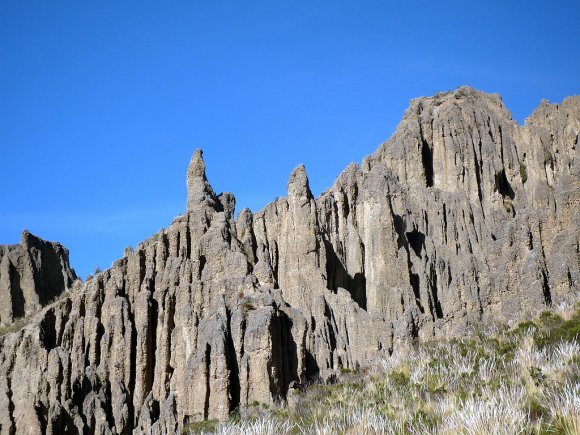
32,274
462,217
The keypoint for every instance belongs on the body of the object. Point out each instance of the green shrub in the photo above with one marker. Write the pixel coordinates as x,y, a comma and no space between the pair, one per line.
399,379
200,427
555,329
526,326
536,410
536,375
507,349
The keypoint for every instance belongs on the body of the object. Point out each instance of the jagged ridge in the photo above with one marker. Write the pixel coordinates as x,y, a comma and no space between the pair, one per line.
462,216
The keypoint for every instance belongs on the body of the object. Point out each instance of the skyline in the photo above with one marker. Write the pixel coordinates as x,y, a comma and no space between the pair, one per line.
104,105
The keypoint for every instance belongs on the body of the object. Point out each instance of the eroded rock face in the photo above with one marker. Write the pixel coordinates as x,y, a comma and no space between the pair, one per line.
461,217
32,274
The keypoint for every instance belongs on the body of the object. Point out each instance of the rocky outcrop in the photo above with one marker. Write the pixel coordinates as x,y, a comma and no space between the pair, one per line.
463,216
32,274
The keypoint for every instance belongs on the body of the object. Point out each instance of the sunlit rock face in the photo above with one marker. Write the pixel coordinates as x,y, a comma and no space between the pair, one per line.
462,217
32,274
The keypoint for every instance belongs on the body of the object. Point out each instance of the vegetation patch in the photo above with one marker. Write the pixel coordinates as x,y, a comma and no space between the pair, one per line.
248,305
523,172
201,427
14,326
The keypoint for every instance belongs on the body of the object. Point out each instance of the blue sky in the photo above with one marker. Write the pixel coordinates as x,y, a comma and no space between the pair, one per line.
102,104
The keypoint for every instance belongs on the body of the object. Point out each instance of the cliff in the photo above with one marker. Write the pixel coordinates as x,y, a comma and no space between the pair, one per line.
32,274
462,217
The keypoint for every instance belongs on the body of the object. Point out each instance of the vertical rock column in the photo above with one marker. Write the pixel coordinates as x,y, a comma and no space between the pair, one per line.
302,273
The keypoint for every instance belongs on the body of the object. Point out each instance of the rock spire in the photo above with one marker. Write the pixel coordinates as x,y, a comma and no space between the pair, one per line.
199,190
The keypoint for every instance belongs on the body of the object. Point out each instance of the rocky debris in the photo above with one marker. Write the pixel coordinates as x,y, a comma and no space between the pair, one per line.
32,274
462,217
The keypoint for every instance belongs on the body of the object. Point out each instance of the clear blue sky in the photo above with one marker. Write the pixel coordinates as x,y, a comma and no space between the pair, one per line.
102,104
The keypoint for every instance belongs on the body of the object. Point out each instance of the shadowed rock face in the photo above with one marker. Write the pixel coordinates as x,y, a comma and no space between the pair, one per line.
461,217
32,274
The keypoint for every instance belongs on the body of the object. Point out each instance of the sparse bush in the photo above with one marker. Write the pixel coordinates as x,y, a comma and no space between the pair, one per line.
14,326
399,379
526,326
554,329
248,305
201,427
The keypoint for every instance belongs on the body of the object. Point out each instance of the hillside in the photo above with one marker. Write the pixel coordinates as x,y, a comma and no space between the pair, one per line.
495,379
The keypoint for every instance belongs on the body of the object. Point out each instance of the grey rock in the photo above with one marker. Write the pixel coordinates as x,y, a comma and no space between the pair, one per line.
462,217
32,274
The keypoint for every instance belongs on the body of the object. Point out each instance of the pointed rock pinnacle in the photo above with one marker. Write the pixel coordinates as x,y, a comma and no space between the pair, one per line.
298,186
196,167
198,188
